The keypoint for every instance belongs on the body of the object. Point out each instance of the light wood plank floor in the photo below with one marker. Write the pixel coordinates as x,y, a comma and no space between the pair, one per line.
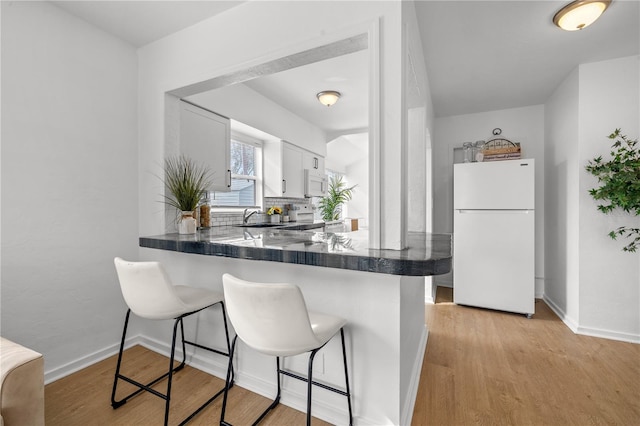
485,367
83,398
481,367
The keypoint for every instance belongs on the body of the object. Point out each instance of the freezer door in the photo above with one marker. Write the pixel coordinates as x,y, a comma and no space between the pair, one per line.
495,185
493,259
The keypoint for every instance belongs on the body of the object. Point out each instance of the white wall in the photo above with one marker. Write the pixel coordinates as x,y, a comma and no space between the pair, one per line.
69,182
562,199
609,278
418,121
592,285
524,125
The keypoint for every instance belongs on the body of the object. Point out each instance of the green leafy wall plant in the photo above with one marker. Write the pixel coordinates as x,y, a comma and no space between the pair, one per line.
619,180
338,194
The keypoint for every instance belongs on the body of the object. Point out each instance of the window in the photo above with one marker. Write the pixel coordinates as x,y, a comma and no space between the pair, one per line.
246,176
331,174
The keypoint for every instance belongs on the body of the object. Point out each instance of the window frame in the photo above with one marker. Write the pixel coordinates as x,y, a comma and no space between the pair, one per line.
242,138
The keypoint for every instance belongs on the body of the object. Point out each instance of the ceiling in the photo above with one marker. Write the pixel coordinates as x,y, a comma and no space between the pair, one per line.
347,74
123,18
480,55
490,55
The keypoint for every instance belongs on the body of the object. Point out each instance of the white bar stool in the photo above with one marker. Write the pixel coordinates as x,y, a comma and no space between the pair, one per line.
149,294
273,319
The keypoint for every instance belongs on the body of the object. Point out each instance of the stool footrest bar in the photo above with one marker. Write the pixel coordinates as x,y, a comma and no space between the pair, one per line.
206,348
142,387
313,382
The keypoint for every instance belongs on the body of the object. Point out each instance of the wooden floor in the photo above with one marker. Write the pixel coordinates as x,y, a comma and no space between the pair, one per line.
481,367
485,367
83,398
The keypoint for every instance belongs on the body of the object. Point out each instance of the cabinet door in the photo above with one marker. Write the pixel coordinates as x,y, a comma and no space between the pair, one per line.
320,165
206,138
292,171
314,162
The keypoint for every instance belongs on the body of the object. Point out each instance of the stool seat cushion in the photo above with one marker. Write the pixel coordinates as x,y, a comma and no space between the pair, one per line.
272,318
325,326
195,298
149,293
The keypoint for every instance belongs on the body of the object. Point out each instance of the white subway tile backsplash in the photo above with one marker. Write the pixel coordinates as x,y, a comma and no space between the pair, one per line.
235,218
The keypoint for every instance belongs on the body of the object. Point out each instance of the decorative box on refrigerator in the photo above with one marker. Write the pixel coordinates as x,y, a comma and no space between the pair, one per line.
493,235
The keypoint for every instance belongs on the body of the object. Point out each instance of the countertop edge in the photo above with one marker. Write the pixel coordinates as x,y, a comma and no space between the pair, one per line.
433,265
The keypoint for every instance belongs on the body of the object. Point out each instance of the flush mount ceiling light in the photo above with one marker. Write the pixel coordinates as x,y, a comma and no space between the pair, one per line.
328,97
580,14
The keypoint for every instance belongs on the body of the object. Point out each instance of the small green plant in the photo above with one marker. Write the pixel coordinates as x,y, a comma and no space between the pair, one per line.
186,181
620,184
338,194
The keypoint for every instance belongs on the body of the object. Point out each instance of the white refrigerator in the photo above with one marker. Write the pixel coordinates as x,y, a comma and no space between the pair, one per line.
493,235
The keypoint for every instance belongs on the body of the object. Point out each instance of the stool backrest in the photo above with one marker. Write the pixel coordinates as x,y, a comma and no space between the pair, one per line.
147,290
270,318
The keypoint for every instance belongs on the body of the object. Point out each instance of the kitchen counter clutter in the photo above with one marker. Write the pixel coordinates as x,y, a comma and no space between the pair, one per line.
428,254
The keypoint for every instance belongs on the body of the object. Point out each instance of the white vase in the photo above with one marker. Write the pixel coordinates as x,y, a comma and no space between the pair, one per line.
186,223
275,218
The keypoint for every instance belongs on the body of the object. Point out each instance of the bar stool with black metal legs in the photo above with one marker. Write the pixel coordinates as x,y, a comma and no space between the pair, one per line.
149,294
273,319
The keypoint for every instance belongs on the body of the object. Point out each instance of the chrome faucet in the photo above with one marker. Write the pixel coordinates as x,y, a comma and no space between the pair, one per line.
245,216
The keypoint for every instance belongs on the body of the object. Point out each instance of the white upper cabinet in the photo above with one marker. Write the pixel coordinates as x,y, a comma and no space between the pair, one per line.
283,170
206,138
314,163
292,171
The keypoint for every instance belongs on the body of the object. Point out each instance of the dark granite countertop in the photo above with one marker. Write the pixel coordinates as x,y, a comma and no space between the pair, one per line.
427,254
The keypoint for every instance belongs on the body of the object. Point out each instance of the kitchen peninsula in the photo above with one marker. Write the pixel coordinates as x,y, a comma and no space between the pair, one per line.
379,292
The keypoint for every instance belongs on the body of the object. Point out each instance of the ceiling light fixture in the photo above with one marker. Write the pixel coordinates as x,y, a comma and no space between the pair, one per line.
580,14
328,97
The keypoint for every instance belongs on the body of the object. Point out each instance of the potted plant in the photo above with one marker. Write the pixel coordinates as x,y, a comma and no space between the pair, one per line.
187,184
274,213
620,184
337,195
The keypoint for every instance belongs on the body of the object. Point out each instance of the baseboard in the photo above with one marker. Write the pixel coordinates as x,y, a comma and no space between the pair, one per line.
589,331
568,321
410,402
608,334
87,360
